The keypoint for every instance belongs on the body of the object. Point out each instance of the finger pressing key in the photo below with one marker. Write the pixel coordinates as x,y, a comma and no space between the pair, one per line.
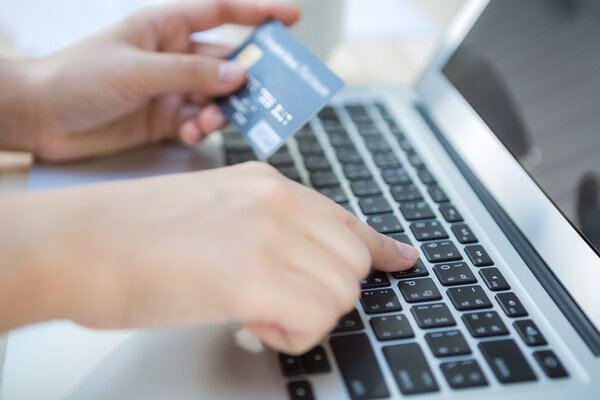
386,253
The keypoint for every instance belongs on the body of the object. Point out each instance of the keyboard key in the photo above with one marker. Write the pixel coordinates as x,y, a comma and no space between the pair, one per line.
507,361
379,301
410,369
437,194
358,113
317,162
415,160
347,155
391,327
235,143
386,160
395,176
238,158
530,333
406,145
309,146
375,279
464,234
441,251
377,145
447,343
340,139
320,179
348,208
405,193
416,210
365,188
428,230
450,213
511,305
479,257
367,129
418,290
290,172
430,316
383,111
396,131
387,223
332,125
305,132
291,365
349,322
550,363
300,390
374,205
358,366
469,298
315,361
463,374
281,157
357,172
494,279
327,112
484,324
454,274
416,271
425,176
401,238
336,194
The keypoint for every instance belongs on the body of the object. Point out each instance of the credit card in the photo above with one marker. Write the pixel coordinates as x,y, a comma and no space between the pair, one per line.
287,85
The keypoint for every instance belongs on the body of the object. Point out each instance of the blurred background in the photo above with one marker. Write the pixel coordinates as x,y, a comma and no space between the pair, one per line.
377,40
400,32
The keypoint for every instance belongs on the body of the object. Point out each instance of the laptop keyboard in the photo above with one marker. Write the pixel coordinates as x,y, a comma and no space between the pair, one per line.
398,307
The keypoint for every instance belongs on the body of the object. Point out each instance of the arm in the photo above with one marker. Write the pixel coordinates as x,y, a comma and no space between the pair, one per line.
189,249
138,83
19,106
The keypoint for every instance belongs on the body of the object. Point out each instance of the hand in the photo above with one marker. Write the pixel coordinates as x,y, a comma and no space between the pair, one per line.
142,81
236,244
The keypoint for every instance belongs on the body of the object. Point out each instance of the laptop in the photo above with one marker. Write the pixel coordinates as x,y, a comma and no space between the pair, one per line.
490,166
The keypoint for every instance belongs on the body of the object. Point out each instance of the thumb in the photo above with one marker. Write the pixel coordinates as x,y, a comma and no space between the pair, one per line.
160,73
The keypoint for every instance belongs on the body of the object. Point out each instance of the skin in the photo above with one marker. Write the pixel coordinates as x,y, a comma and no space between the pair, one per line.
240,244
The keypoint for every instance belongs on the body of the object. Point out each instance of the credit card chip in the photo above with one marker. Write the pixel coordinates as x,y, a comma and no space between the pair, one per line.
249,56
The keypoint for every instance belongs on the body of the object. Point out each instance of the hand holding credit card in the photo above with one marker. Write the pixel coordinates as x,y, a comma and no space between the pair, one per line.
287,85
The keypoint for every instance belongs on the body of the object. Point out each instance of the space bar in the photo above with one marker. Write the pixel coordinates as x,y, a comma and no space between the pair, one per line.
359,367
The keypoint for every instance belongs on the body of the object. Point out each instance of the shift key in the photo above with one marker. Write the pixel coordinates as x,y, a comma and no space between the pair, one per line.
410,368
359,368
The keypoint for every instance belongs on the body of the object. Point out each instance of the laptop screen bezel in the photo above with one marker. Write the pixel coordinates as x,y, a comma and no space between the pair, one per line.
572,260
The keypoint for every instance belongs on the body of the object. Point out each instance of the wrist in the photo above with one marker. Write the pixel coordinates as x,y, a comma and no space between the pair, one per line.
20,104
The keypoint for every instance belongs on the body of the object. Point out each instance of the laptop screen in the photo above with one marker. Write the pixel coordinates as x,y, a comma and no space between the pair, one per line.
531,70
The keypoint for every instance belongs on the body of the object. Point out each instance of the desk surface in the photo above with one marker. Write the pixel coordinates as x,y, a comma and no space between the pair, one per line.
357,62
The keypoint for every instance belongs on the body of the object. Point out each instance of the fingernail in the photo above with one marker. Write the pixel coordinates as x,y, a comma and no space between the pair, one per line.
407,252
218,120
230,72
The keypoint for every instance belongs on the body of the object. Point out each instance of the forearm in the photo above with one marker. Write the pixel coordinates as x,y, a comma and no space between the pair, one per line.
19,105
44,272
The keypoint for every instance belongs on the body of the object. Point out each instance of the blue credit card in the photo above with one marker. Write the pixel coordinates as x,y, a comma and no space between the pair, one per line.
287,85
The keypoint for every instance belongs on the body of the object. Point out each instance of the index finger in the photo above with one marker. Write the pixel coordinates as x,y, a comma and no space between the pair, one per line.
387,254
203,15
